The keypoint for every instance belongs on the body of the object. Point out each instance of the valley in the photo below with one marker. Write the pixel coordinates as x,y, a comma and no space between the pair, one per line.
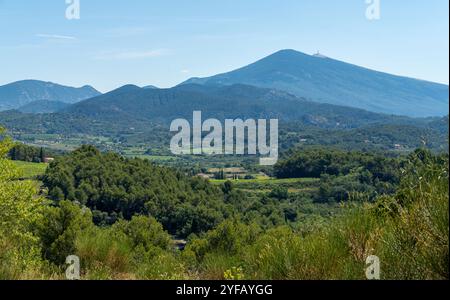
96,177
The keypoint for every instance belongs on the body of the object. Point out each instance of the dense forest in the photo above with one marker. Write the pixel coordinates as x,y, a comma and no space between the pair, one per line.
344,174
124,217
117,188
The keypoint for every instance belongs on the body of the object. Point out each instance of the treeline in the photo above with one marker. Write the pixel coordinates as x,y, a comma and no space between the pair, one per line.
319,161
344,175
28,153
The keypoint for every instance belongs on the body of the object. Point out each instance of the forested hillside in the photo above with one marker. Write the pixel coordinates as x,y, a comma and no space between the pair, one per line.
117,216
43,106
116,188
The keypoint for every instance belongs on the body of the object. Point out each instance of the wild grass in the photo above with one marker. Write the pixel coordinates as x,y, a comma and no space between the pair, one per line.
30,170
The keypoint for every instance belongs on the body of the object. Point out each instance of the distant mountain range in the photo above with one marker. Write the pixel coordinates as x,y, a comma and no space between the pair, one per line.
288,85
315,98
322,79
21,93
288,74
235,101
134,115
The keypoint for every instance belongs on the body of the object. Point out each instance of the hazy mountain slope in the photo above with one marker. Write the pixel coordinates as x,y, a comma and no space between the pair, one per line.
326,80
151,87
43,106
20,93
236,101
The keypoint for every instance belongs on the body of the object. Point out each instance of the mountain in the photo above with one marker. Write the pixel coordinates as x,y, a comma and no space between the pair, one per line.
43,106
322,79
134,115
150,87
220,102
20,93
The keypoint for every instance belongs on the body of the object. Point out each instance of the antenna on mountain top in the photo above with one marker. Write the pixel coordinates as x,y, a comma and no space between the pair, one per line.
318,54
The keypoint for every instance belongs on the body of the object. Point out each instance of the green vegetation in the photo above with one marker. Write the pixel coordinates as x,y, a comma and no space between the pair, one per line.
344,175
116,188
408,231
20,209
135,122
22,152
119,216
30,170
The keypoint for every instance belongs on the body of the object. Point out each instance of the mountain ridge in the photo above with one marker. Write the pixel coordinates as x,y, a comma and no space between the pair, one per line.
220,102
20,93
326,80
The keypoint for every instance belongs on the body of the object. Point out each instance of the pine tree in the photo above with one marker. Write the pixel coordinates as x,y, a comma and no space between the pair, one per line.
42,155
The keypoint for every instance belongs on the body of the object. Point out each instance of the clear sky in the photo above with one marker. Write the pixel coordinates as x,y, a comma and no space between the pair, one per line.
164,42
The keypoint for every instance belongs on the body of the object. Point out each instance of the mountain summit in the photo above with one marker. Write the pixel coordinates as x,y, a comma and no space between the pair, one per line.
326,80
22,93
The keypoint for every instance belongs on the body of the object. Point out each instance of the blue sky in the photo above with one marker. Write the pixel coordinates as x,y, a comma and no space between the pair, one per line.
164,42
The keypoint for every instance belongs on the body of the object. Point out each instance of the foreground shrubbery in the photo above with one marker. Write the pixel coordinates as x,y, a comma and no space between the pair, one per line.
408,231
20,209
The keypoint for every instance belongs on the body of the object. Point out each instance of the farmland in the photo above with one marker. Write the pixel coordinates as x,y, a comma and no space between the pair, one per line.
30,170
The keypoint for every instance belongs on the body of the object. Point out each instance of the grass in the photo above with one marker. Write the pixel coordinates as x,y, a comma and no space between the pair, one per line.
268,180
156,158
266,184
30,170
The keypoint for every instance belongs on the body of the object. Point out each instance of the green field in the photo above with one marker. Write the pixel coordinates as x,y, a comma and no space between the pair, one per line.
267,180
30,170
266,184
156,158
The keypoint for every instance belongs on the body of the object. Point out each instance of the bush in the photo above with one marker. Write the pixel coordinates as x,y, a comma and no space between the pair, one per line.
104,253
416,238
59,229
136,249
20,209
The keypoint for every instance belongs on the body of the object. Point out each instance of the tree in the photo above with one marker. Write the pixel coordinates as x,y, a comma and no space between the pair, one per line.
115,188
144,231
20,209
56,194
279,193
59,229
227,187
42,155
